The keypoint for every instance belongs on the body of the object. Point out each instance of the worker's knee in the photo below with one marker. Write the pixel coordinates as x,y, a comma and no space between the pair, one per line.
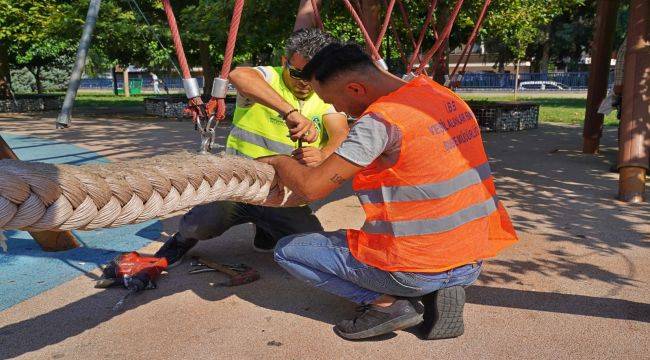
282,251
196,225
190,228
209,220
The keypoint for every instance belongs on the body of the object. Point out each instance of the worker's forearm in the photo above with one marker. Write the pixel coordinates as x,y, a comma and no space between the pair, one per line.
328,150
251,84
295,176
337,129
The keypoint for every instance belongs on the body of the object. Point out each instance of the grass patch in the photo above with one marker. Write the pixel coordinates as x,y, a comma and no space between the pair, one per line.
558,108
567,108
109,100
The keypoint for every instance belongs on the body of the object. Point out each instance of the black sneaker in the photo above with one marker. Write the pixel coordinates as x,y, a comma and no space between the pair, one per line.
376,320
443,313
174,249
263,242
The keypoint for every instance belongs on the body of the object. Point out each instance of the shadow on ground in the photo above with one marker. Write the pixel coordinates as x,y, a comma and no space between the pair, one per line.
277,292
554,192
567,197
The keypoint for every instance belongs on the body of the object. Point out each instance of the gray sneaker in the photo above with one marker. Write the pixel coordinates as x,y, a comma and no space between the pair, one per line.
376,320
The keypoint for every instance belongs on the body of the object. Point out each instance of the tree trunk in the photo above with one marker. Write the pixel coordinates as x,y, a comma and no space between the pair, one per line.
634,139
5,74
439,64
370,16
601,52
127,90
516,78
305,17
114,74
39,83
546,50
208,68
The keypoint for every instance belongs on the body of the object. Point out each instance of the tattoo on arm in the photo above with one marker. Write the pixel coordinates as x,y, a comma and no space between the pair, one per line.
337,179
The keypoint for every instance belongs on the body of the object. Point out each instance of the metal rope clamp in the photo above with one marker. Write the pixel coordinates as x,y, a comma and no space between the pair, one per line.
191,87
207,130
408,77
382,64
219,88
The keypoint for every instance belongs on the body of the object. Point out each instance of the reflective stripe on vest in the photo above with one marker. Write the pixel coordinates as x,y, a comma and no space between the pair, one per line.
274,146
231,151
432,226
428,191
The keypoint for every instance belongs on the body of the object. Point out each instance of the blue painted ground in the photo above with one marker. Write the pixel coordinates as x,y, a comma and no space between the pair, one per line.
26,270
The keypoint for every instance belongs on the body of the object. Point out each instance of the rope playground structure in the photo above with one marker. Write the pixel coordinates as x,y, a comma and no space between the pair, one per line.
38,196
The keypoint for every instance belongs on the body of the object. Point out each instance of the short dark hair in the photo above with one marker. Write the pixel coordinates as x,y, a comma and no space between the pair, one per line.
307,42
335,59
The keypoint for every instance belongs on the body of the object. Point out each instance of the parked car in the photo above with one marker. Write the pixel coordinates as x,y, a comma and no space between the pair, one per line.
542,85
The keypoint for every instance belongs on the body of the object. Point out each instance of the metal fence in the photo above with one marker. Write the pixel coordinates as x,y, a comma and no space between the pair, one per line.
172,83
531,81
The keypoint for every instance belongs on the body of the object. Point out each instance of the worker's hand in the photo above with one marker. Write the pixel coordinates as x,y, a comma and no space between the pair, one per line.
308,155
270,159
301,128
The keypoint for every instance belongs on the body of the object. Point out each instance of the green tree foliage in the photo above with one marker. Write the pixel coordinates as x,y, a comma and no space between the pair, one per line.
37,34
564,41
514,25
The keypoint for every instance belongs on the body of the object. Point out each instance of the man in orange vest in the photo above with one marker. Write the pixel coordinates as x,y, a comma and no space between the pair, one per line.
421,174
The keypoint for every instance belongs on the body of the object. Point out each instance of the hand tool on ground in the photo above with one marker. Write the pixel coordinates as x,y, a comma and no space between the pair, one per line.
133,271
238,274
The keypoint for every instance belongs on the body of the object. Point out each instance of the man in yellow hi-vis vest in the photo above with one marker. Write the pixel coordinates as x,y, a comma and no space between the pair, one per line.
276,110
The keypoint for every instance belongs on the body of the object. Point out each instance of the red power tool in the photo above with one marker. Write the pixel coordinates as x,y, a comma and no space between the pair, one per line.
132,270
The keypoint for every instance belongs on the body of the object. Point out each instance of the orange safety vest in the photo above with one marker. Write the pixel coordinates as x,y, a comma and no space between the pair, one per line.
436,208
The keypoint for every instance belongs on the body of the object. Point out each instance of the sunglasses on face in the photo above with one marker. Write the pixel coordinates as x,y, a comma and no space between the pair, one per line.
295,73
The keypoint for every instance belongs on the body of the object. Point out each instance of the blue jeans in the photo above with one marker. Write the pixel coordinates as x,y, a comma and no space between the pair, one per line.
323,260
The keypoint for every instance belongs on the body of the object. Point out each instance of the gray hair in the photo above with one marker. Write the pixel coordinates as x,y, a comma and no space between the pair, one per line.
307,42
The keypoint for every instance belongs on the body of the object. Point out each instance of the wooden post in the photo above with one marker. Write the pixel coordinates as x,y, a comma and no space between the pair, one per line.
48,240
127,91
601,51
634,138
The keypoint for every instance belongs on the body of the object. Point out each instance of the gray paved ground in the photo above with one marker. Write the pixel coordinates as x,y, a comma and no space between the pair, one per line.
575,286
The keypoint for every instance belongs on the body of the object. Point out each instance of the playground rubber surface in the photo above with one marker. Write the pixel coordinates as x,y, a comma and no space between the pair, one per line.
26,270
575,286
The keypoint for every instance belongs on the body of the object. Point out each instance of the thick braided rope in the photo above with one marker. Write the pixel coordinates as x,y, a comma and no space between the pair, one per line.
38,196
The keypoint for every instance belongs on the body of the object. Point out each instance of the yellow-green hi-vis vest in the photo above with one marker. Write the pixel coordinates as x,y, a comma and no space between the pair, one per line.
260,131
